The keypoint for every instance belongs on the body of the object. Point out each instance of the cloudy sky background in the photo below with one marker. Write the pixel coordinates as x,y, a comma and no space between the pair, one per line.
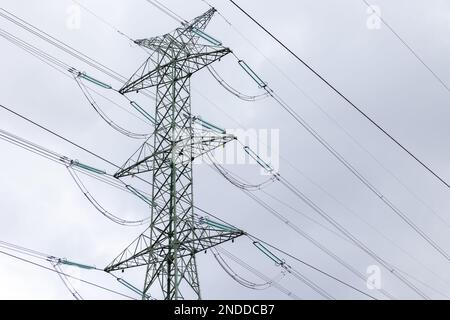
42,208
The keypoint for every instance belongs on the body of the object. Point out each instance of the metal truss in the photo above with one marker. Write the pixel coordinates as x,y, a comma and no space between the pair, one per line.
168,247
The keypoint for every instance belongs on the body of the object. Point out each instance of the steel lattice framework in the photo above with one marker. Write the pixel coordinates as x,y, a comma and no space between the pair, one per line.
168,247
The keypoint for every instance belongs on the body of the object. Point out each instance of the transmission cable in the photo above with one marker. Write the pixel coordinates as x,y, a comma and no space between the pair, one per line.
379,127
317,244
60,45
74,292
283,219
67,48
347,164
236,181
194,206
100,208
55,262
103,115
341,159
321,109
244,282
65,274
255,272
60,157
297,259
73,167
406,45
234,91
67,140
67,71
64,68
58,135
60,261
355,240
70,72
346,208
333,222
309,238
57,157
166,11
78,3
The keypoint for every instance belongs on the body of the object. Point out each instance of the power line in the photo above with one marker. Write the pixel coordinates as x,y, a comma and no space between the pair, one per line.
321,109
351,168
407,46
67,283
306,236
359,175
163,8
202,210
344,161
355,240
339,227
103,20
60,45
66,48
65,274
100,208
296,229
255,272
291,256
296,274
322,189
105,117
68,71
35,253
339,157
379,127
239,279
312,267
195,206
318,244
63,160
234,91
58,135
73,167
57,262
66,140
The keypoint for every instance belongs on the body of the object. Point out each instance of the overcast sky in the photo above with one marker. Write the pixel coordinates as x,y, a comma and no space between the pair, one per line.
42,209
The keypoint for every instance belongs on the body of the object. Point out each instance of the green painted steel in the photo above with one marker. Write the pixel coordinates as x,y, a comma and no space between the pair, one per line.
218,225
252,74
206,37
94,81
260,161
141,196
75,264
86,167
209,125
131,287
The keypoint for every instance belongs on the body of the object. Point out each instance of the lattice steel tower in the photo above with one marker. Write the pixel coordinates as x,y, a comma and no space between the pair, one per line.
168,247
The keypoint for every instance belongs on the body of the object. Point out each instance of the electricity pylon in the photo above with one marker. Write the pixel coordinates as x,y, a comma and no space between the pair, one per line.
168,247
